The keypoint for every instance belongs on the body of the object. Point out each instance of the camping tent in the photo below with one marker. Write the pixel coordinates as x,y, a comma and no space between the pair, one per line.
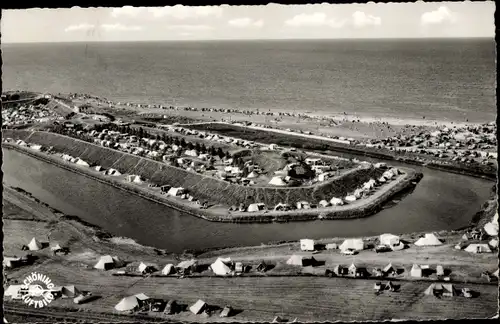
428,240
277,181
56,247
300,260
351,198
281,206
255,207
493,243
81,162
198,307
220,267
34,245
70,292
252,175
389,239
324,203
336,201
169,269
176,191
189,265
355,244
107,262
131,302
447,290
303,205
146,267
307,245
10,262
491,228
332,246
478,248
416,271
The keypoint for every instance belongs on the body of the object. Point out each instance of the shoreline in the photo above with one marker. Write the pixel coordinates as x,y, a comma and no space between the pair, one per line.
359,211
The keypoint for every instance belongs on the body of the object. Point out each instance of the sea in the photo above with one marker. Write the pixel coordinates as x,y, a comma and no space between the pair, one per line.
436,79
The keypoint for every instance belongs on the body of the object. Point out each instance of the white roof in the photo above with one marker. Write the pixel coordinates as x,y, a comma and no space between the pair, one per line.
478,248
220,268
197,307
277,181
491,228
12,290
429,239
34,245
355,244
389,239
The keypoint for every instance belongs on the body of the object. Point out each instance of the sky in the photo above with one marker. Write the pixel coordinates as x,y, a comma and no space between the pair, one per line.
273,21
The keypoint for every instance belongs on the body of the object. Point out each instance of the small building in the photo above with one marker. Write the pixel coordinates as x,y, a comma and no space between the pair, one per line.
416,271
307,245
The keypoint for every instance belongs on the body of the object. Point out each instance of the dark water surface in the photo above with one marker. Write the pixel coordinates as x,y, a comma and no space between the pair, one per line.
441,79
440,201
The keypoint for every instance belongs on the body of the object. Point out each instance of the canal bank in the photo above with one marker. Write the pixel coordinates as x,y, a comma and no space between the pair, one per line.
439,202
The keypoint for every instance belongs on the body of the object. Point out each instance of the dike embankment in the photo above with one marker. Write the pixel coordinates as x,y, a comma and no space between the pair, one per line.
160,173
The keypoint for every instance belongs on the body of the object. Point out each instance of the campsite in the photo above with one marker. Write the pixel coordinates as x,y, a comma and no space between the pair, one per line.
85,267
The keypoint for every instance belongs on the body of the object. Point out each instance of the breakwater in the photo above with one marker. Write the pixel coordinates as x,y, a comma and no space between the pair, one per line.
361,208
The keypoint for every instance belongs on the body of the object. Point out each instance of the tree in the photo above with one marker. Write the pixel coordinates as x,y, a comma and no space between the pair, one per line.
183,142
203,149
190,146
220,153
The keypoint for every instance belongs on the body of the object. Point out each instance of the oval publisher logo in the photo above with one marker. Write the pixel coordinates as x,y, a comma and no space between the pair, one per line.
38,288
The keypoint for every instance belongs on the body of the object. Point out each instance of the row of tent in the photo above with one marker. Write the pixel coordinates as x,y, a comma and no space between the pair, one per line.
355,244
78,161
139,300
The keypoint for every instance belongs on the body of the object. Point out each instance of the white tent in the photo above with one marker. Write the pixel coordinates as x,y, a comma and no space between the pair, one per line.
82,162
198,307
493,243
145,267
277,181
491,228
428,240
382,179
324,203
169,269
336,201
220,267
478,248
127,304
307,245
9,262
295,260
256,207
355,244
70,291
358,193
108,262
56,247
332,246
252,175
416,271
176,191
389,239
303,205
351,198
34,245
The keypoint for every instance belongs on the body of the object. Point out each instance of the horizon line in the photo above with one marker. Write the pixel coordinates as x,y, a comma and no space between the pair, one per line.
249,39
